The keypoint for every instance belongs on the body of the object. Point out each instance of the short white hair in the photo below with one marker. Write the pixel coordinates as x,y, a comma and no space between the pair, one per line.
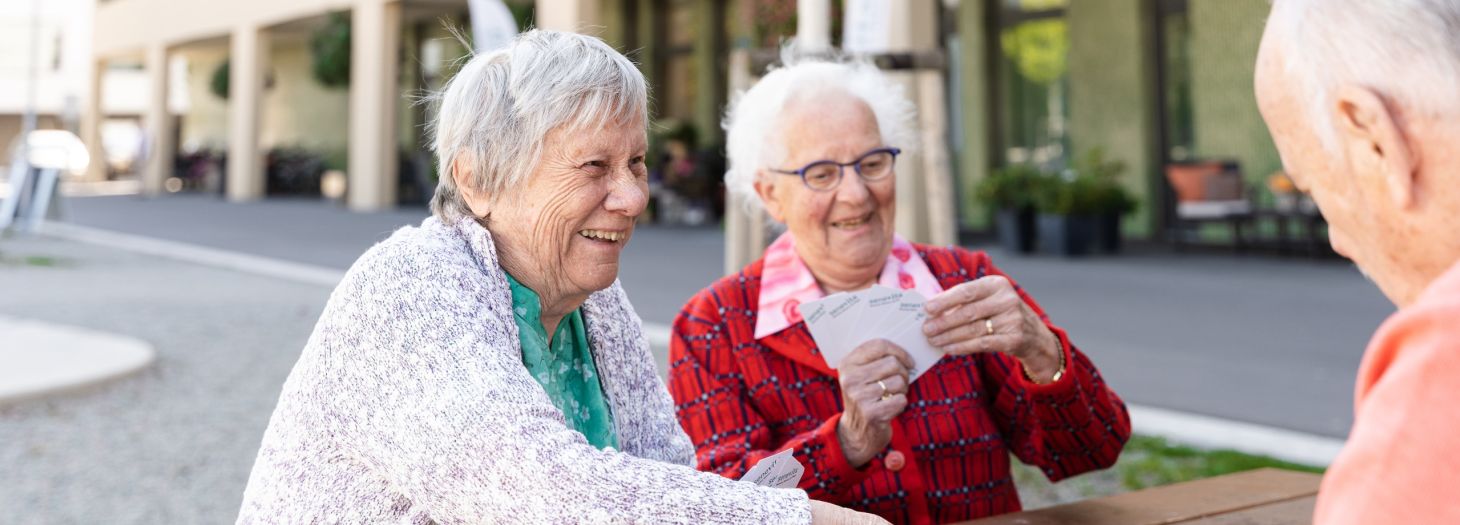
1408,50
753,134
497,111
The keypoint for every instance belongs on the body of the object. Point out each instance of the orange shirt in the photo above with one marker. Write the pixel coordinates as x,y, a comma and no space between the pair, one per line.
1402,460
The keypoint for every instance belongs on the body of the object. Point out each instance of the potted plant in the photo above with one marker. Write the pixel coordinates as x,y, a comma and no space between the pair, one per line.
1010,191
1066,214
1284,192
1108,199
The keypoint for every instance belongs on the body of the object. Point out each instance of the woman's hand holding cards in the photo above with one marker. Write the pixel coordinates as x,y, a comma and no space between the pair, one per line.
874,382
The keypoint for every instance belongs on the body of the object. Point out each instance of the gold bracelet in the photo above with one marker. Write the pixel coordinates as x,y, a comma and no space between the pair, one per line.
1059,349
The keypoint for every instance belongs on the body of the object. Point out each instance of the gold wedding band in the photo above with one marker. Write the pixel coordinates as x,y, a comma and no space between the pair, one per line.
885,393
988,326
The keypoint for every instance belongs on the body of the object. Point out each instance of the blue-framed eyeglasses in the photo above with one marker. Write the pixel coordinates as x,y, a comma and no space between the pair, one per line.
824,175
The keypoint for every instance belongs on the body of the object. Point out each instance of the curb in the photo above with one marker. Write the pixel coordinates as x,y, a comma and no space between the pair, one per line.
240,262
52,358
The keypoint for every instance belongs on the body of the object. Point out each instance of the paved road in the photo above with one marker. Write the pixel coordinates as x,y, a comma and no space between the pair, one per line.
1264,340
173,444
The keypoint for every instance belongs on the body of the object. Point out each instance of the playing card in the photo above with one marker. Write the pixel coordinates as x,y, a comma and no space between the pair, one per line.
910,338
832,321
881,311
780,470
843,321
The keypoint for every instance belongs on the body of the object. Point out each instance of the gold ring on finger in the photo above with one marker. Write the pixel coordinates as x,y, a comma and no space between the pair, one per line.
988,326
885,393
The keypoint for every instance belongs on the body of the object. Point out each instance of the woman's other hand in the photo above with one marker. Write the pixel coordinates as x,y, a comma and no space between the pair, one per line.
988,315
823,513
874,381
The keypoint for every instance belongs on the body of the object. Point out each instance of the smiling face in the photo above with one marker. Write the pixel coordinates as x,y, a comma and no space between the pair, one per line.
843,234
561,232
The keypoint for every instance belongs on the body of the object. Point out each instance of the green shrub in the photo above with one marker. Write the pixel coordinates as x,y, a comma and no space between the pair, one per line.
1010,187
218,85
330,51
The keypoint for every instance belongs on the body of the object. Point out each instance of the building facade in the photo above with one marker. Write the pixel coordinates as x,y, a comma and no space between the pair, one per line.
998,82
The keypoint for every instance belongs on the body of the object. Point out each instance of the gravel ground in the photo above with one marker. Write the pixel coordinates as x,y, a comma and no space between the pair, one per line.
175,442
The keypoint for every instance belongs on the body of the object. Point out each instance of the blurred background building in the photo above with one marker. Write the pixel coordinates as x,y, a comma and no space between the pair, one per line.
319,97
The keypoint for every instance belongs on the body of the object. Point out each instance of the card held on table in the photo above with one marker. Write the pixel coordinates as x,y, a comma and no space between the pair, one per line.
780,470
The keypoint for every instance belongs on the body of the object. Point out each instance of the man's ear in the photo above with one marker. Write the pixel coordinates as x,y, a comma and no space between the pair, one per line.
1375,143
770,196
461,174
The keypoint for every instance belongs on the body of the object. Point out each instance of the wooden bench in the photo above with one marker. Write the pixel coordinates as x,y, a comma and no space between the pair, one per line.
1255,497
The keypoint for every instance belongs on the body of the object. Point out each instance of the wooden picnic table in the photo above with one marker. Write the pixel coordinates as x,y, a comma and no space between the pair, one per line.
1255,497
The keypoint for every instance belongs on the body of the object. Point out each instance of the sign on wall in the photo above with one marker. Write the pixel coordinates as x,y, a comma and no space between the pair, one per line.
866,27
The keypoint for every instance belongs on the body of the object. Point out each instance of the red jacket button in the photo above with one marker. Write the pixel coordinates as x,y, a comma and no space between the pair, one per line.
894,461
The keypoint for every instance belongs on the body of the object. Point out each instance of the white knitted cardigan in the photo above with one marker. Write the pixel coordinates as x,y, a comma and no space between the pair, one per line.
410,404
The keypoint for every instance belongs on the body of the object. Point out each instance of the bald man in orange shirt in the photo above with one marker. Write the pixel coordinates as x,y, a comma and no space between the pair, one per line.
1363,101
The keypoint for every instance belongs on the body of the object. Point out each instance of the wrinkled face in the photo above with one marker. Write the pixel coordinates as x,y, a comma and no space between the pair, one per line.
1351,203
562,230
844,233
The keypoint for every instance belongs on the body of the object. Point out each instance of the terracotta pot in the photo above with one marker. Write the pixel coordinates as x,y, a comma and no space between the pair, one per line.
1190,180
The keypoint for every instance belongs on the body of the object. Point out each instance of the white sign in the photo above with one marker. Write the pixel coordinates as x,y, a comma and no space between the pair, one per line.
867,26
492,25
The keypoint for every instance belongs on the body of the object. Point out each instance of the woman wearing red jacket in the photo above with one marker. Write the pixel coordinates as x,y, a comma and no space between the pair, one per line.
815,143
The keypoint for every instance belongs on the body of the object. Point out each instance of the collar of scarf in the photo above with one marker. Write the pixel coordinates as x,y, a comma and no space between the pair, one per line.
786,283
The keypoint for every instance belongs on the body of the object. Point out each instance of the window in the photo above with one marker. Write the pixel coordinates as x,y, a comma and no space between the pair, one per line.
1174,76
1031,85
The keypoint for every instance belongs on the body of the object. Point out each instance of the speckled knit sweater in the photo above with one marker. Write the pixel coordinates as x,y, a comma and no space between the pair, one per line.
410,404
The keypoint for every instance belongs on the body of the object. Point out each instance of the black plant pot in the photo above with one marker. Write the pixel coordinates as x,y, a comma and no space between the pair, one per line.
1016,229
1067,235
1107,232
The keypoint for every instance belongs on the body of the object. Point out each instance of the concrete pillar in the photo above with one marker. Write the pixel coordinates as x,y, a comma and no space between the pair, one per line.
940,212
745,227
745,235
91,119
583,16
1113,97
248,61
925,211
708,41
648,41
374,93
615,27
157,122
974,103
813,25
1225,121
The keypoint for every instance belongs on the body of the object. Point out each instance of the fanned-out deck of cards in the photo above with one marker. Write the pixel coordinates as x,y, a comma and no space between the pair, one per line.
842,321
780,470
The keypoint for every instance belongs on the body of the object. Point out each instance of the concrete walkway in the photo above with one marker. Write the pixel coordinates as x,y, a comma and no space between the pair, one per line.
173,442
40,358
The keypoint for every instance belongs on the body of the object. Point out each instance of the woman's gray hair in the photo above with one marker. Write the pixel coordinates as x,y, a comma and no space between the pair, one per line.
1409,50
497,111
753,131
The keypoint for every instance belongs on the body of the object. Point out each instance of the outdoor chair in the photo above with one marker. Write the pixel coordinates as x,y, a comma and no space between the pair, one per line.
1209,192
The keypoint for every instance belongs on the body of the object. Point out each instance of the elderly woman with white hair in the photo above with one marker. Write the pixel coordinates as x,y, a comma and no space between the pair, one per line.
486,367
816,144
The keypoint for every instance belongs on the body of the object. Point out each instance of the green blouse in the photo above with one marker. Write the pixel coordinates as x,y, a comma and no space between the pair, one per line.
564,368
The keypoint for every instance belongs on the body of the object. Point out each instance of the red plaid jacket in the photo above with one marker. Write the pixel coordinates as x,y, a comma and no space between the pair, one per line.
741,399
